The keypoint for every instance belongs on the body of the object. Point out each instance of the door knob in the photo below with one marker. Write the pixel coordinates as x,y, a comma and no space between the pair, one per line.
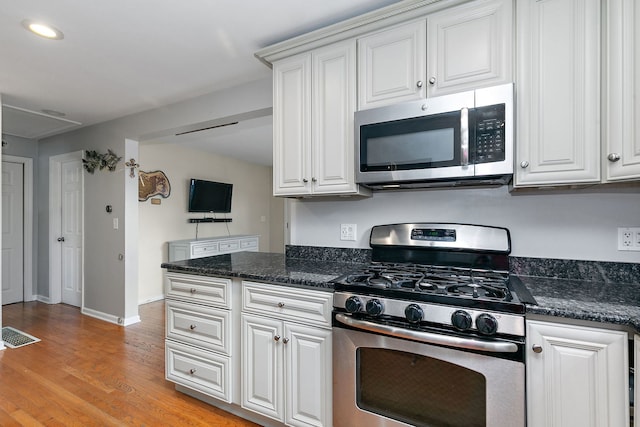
60,239
536,348
524,164
613,157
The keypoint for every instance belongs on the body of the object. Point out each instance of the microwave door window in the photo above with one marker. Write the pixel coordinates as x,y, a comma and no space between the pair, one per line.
419,149
418,143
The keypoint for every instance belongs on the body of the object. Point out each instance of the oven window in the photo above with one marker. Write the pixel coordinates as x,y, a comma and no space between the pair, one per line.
419,390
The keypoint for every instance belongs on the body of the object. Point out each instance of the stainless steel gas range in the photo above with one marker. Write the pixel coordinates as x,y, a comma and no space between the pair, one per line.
432,332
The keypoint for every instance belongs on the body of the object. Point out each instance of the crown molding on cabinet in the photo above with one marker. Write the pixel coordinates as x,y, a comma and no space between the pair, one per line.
381,18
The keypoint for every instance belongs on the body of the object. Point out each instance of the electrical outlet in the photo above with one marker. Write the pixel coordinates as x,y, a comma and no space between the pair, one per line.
629,238
348,232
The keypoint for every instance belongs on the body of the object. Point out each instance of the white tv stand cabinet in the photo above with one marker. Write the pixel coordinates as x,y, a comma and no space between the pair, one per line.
210,246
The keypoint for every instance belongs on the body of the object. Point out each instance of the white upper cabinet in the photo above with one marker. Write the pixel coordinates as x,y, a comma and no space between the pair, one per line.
391,65
621,147
313,105
453,50
558,96
469,47
567,133
292,125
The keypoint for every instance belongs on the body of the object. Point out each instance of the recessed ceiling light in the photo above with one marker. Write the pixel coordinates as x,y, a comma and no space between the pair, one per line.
43,30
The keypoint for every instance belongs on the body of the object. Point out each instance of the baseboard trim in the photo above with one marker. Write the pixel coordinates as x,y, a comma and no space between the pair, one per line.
41,298
110,318
152,299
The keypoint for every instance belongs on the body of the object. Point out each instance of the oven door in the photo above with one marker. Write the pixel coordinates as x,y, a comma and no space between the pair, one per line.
381,381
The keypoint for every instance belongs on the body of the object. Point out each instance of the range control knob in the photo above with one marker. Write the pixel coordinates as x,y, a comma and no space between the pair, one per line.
461,320
353,304
413,313
486,324
374,307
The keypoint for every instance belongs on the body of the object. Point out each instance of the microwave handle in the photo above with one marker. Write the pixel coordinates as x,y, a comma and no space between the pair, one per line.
464,137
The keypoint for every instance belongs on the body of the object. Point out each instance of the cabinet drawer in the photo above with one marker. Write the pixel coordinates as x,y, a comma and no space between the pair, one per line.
203,371
229,246
210,290
248,244
308,306
199,325
204,249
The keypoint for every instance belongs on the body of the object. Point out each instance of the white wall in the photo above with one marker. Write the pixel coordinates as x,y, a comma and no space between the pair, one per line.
159,224
109,287
577,224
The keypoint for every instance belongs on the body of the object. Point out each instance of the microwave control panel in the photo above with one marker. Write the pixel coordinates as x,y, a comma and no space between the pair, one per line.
490,134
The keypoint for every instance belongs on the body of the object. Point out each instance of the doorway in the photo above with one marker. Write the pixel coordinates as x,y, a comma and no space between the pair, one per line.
17,226
66,229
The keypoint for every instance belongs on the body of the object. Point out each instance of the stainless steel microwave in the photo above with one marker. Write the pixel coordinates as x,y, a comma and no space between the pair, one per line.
459,139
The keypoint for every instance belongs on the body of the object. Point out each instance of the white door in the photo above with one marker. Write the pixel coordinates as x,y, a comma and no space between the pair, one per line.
71,232
12,232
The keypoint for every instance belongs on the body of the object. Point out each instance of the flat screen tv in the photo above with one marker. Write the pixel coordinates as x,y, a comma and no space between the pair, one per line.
209,196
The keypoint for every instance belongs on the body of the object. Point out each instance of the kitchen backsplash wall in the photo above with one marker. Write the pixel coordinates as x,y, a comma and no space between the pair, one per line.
549,224
591,271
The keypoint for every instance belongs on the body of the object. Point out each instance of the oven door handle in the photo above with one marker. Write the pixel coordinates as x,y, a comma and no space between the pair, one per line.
429,337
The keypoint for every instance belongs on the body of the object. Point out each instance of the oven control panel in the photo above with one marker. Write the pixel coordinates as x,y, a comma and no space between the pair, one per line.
434,234
414,313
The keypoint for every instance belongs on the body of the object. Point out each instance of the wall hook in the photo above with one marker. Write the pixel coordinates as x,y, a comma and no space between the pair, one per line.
133,165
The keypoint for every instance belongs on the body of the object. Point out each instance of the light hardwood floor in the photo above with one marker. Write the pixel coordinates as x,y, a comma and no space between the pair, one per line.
86,372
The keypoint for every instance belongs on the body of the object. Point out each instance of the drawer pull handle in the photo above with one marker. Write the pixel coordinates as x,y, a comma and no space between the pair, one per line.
536,348
280,304
276,338
192,371
285,340
192,290
192,327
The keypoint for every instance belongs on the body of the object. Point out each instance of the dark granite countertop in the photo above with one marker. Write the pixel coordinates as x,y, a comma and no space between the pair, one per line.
592,300
267,267
614,303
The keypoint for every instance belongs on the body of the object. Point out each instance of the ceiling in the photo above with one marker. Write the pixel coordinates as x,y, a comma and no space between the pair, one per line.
120,57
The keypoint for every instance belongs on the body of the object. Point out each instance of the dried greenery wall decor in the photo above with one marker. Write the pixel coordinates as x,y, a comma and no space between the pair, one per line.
94,160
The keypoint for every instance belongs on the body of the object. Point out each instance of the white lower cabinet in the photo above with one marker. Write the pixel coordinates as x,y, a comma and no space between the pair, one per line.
636,381
198,345
576,376
286,364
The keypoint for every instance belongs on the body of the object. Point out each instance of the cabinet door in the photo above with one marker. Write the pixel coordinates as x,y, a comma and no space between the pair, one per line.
470,46
636,380
621,154
391,65
558,88
334,98
262,366
292,125
578,377
308,375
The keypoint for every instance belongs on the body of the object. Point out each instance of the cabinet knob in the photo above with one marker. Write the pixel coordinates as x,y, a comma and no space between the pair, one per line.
192,290
536,348
613,157
192,371
524,164
432,81
280,304
419,83
192,327
276,338
314,179
285,340
305,180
